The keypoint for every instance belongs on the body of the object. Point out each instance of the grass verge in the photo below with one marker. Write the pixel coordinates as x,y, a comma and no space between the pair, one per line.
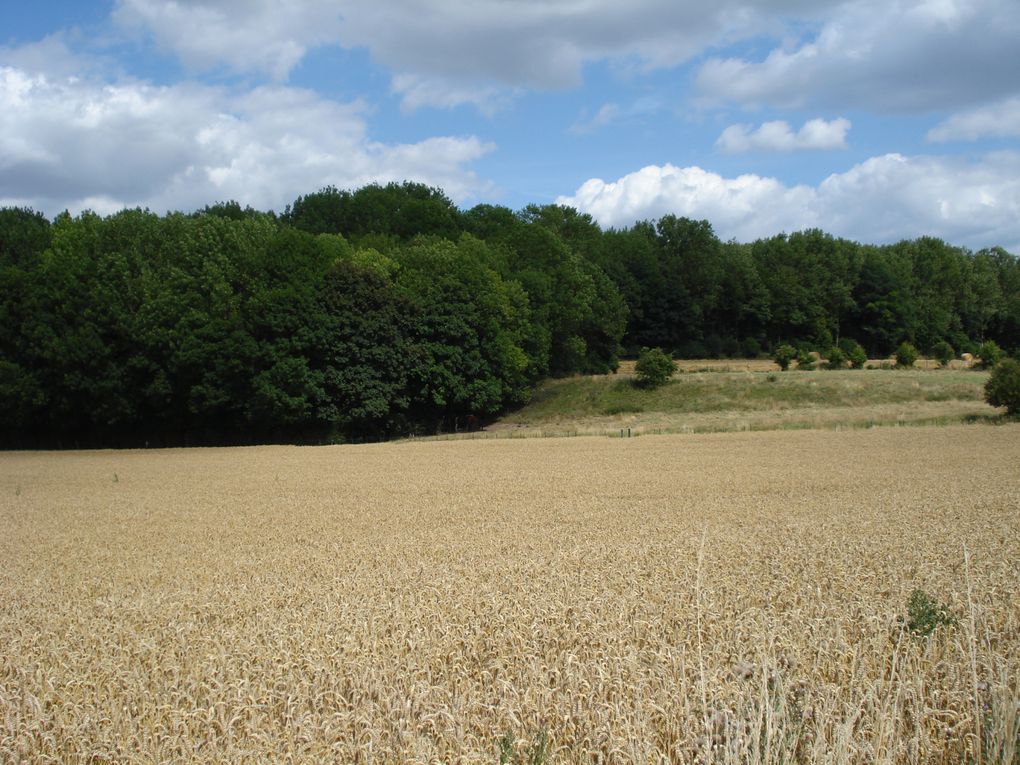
727,401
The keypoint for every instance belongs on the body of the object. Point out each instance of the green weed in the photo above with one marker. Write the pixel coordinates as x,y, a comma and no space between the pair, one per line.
536,753
925,614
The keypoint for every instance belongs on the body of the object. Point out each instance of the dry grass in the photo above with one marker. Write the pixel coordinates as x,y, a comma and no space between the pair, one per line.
768,365
725,598
626,368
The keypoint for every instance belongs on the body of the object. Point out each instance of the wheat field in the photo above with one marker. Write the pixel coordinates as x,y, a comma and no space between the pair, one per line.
730,598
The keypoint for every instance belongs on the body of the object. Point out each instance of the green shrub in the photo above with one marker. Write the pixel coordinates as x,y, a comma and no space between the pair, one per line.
943,352
906,355
783,355
1003,386
925,614
805,361
854,351
654,368
990,354
837,359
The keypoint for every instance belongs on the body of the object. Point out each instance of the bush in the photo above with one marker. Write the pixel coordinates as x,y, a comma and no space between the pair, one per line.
783,355
854,351
1003,387
906,355
837,359
990,354
805,361
944,352
654,367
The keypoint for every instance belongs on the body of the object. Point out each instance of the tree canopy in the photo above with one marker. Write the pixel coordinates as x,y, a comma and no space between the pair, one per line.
387,310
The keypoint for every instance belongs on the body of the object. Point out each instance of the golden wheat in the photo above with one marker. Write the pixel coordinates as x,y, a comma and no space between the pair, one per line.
718,598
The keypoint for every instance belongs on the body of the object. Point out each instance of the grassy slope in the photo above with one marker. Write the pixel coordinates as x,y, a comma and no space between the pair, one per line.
719,401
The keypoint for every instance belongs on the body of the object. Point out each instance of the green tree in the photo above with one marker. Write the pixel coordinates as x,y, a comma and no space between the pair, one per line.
939,273
465,335
1003,386
1004,325
24,236
365,352
990,353
693,270
810,278
324,212
630,259
742,309
560,293
886,306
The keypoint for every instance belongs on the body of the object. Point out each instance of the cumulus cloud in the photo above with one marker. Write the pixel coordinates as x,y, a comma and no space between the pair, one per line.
884,199
447,52
909,56
1001,120
913,55
67,142
815,134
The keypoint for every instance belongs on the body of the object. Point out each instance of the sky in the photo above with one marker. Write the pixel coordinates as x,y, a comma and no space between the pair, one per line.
876,120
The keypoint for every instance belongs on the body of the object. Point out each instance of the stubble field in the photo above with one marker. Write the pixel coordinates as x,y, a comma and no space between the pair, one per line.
733,597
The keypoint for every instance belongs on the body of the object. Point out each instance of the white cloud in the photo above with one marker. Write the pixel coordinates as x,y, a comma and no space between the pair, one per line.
66,142
606,114
816,134
448,52
1001,120
642,108
417,91
887,198
745,207
909,56
50,55
270,36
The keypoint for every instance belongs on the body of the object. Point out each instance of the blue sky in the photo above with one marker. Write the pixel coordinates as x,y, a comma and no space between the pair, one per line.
872,119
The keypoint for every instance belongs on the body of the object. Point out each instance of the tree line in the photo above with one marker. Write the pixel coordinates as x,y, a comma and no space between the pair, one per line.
358,315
